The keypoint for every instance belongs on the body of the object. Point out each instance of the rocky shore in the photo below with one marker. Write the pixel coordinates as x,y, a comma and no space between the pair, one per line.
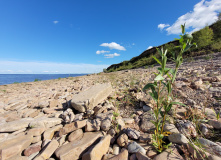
108,116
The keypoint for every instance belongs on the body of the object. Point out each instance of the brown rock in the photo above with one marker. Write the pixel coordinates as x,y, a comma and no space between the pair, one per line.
49,133
122,156
32,149
36,131
76,135
141,156
122,140
14,146
75,149
67,129
98,150
48,151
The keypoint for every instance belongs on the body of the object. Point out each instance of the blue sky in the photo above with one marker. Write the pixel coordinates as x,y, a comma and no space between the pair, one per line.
85,36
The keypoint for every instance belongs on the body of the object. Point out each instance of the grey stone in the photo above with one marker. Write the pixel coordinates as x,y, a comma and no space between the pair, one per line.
178,138
210,146
132,133
133,147
171,128
146,124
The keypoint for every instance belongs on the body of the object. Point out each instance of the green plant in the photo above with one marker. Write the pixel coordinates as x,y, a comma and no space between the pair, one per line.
15,82
217,114
36,80
161,89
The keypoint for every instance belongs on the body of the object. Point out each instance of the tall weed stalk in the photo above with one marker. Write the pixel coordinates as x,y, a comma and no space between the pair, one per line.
164,80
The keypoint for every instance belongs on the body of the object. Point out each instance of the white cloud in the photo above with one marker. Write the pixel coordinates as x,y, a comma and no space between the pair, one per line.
149,47
162,26
55,22
204,13
111,55
133,44
102,51
113,45
12,67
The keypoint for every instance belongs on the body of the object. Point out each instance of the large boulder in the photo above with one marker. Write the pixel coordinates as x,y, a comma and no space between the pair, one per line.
90,98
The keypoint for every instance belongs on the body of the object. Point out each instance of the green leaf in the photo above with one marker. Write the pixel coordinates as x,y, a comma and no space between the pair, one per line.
159,69
159,78
183,28
178,103
153,96
169,87
158,61
168,108
160,51
147,86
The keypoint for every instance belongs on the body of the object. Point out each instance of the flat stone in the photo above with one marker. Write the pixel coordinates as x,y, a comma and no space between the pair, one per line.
210,146
122,156
99,149
178,138
36,131
49,133
14,146
76,135
75,149
170,128
48,151
15,125
45,122
90,98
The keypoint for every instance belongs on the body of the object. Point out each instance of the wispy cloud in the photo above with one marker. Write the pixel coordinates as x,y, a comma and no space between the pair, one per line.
204,13
111,55
149,47
102,51
162,26
113,45
55,22
9,67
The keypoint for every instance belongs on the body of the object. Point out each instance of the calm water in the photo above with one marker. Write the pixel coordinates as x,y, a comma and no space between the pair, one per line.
12,78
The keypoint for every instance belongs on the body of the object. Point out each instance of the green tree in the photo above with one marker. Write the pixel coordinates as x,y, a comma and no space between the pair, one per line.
219,17
204,37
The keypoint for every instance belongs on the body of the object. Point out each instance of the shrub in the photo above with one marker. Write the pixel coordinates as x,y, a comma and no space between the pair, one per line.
164,101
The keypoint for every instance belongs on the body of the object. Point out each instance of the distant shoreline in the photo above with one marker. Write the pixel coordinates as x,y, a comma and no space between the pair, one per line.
6,79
